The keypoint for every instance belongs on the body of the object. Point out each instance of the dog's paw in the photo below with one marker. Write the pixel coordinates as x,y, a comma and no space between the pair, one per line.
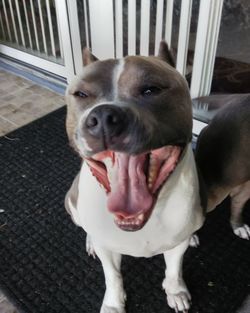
178,296
109,309
242,231
180,302
194,241
89,247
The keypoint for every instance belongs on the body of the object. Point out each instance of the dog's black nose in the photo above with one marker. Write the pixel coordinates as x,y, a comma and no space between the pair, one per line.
106,120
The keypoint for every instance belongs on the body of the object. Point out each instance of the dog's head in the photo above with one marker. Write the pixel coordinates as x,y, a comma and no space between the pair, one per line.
130,119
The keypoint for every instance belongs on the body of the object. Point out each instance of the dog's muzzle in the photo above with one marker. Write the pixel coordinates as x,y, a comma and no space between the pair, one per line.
132,180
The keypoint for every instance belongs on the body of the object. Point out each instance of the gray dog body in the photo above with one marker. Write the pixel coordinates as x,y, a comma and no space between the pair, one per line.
137,192
223,156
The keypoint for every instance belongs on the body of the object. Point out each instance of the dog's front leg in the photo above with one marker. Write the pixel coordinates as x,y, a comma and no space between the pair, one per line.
239,196
114,299
178,296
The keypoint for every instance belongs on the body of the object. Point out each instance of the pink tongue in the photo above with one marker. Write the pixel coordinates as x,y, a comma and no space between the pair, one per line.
129,194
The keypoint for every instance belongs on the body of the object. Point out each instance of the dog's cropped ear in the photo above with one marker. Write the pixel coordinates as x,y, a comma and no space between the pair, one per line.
88,57
165,53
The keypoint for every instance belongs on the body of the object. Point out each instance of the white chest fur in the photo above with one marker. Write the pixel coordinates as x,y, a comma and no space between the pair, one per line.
176,215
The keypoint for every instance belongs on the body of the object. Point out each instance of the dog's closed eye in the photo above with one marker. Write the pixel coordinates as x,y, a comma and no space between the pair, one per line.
80,94
149,91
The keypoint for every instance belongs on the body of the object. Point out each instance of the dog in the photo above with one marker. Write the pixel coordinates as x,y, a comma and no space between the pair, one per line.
223,156
138,191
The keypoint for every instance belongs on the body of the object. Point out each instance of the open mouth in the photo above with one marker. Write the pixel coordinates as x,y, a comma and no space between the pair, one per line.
133,182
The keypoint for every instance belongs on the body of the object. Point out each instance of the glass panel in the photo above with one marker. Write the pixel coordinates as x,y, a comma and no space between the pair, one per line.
31,22
84,27
232,64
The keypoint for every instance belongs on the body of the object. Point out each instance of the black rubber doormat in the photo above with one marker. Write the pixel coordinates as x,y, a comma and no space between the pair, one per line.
43,264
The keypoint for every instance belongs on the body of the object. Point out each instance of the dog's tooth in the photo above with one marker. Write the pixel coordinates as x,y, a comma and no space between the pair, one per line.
151,159
152,171
140,217
151,176
137,222
152,163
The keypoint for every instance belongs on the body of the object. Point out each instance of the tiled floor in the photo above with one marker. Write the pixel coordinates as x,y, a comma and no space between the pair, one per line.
22,101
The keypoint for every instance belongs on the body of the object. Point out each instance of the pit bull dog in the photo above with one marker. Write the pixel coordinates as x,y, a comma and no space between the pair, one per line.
137,192
223,156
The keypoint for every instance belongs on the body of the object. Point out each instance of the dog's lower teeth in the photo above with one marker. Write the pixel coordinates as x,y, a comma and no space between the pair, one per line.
131,222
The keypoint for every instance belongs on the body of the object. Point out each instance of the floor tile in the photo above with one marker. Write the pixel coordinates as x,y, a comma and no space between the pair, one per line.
22,101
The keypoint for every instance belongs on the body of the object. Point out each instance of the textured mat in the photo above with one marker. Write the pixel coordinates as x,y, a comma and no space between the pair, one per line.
43,264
